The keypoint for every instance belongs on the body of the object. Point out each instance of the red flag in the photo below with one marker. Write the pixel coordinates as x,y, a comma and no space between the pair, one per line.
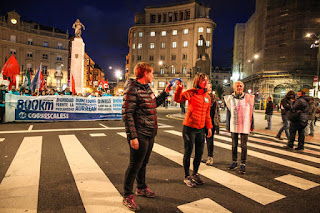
103,84
11,67
73,86
43,85
12,81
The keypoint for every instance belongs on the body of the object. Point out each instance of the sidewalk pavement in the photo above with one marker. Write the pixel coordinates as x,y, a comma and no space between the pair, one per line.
260,124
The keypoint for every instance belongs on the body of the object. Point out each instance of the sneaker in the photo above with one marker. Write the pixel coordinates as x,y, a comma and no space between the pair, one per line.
288,147
188,181
278,137
299,148
210,161
196,179
130,203
233,166
145,192
242,169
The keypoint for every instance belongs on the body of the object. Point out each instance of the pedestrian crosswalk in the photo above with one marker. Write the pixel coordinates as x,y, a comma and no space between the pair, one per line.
20,184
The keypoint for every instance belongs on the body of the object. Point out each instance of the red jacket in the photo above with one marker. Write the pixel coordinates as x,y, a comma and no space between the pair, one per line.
199,103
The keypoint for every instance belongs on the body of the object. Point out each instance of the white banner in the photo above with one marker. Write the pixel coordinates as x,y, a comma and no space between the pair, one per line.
61,108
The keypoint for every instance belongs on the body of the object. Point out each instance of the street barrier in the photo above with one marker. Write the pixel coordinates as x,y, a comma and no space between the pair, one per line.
61,108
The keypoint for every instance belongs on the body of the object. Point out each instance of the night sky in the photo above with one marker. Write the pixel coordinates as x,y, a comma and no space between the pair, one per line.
107,23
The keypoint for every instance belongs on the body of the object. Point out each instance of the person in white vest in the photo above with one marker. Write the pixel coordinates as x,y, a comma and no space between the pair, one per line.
239,121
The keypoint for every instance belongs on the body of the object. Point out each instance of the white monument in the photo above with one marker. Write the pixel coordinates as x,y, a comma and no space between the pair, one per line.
77,58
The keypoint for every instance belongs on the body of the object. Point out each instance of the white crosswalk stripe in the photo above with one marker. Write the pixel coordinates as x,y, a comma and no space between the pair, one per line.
297,182
2,139
97,192
204,206
19,188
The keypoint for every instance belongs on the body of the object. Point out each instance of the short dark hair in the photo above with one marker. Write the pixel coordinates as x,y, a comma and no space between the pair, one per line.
302,92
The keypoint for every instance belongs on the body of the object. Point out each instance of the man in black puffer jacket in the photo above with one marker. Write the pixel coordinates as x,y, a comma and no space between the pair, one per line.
285,107
300,106
140,117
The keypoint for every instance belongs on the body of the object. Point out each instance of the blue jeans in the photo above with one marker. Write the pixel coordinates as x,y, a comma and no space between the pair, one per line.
269,121
285,127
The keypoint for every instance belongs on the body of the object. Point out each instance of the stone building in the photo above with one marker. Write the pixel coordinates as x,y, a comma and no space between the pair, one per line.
92,74
32,44
179,36
271,53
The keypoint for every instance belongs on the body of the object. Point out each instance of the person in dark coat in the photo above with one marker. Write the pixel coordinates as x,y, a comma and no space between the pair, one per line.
269,112
285,107
309,130
3,92
300,110
140,118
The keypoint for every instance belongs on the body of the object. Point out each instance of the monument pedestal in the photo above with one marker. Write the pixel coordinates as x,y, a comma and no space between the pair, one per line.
77,64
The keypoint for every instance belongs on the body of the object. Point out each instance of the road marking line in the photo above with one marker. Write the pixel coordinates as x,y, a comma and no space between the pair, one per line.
97,135
276,150
297,182
246,188
164,119
270,158
19,188
96,190
30,128
205,205
104,126
123,134
59,130
2,139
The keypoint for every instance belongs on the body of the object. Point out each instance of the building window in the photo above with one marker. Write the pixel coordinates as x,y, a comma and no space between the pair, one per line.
59,46
185,44
140,46
151,45
175,16
200,43
187,14
44,69
134,35
170,16
164,17
151,57
30,41
152,18
173,57
29,54
59,58
200,29
45,44
13,38
162,71
162,57
159,18
133,46
184,57
153,33
175,32
208,43
12,51
163,33
44,56
140,34
173,70
185,31
184,70
174,44
208,30
162,84
163,45
139,58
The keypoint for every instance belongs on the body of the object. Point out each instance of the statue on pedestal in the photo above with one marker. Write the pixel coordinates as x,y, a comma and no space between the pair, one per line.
77,26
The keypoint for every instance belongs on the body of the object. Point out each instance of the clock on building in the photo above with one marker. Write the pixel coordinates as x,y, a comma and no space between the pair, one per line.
13,21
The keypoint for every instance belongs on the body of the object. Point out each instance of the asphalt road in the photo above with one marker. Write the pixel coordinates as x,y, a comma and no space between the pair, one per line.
80,166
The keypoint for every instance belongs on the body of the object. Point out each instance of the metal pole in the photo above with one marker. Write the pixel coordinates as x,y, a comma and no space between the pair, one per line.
252,76
318,60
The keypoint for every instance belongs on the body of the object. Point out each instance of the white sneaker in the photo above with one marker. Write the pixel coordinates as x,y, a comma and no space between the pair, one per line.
210,161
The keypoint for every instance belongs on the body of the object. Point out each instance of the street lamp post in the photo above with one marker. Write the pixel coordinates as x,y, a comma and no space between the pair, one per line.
316,45
255,57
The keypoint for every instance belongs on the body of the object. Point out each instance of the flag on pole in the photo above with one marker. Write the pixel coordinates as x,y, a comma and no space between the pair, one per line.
36,81
11,67
13,82
43,85
73,86
103,84
27,80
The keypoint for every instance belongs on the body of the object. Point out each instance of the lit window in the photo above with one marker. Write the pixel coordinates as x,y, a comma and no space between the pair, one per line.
140,46
153,33
44,69
134,34
30,41
162,84
45,44
200,42
151,45
163,33
59,58
200,29
13,38
185,44
173,70
163,45
29,54
208,30
208,43
185,31
59,46
175,32
162,71
140,34
133,46
174,44
184,70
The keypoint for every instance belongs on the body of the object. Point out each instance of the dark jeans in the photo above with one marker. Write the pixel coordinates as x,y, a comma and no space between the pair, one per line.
244,140
285,127
192,136
137,166
210,141
297,127
2,111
